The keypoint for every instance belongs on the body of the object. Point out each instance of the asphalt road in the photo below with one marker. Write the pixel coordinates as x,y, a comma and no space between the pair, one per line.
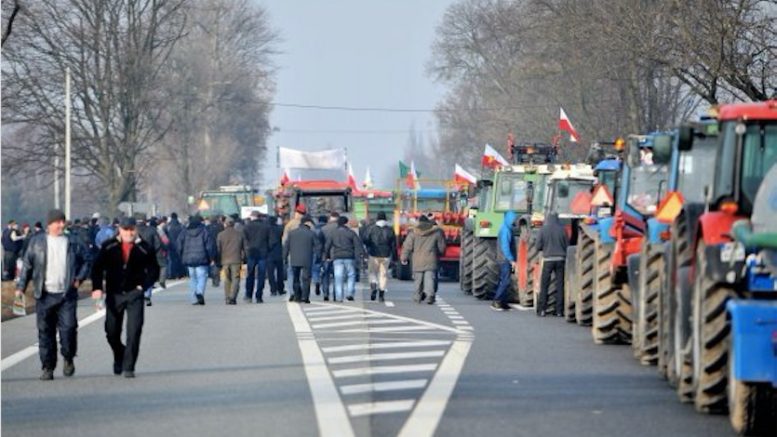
361,368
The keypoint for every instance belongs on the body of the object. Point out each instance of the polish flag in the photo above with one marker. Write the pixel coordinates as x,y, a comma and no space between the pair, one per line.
412,178
492,158
285,179
367,179
352,179
463,177
566,125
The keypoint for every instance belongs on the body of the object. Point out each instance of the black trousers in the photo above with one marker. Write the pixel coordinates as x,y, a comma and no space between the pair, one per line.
557,269
116,305
301,278
275,274
56,311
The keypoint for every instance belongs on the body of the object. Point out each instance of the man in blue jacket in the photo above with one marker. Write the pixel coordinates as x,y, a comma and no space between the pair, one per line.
197,253
506,257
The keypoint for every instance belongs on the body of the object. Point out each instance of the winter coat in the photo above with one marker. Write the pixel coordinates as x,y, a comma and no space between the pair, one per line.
553,240
105,233
424,244
140,272
506,240
231,245
380,240
343,243
12,241
290,226
34,265
194,246
275,250
214,229
257,235
150,236
174,230
301,246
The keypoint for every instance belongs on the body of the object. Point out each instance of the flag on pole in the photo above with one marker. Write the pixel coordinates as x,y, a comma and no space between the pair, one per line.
463,177
352,179
565,125
492,158
367,179
285,179
412,178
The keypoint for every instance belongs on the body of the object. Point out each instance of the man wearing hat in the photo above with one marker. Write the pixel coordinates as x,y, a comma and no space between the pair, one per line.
300,248
57,265
125,267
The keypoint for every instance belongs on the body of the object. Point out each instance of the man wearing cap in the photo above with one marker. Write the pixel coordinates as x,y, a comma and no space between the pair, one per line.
231,246
300,247
257,236
125,267
57,265
344,247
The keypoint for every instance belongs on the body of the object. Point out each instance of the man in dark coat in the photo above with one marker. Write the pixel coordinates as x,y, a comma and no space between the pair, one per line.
56,265
257,235
174,228
214,227
326,263
344,248
301,246
423,246
381,247
151,237
275,269
552,242
125,267
197,253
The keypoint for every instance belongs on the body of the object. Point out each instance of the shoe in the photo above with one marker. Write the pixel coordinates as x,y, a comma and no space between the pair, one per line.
306,300
559,314
163,284
326,298
380,296
259,300
69,369
506,307
291,298
232,302
129,374
273,293
318,289
497,307
195,303
374,294
117,368
430,301
350,298
47,375
247,300
200,299
148,301
282,292
541,313
418,298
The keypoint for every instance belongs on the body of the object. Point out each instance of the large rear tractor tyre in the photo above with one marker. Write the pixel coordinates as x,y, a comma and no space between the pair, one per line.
651,265
584,282
752,407
570,287
611,303
485,274
710,339
679,354
465,261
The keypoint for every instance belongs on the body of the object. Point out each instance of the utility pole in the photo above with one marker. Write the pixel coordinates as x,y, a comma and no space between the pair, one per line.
67,144
56,182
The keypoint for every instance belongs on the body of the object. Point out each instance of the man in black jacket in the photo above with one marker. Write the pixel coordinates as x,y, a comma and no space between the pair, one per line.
553,243
125,267
257,233
344,247
326,263
151,237
214,228
300,247
381,247
57,265
275,270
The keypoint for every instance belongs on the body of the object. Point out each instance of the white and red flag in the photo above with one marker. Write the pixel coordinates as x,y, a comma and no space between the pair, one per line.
565,125
462,176
285,179
492,158
412,178
352,179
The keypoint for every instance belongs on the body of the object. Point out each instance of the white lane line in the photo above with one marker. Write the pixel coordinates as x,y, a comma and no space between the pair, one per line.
330,413
334,309
390,329
426,416
29,351
357,322
385,357
455,317
520,307
460,322
390,304
345,317
391,345
467,328
383,370
382,386
408,319
383,407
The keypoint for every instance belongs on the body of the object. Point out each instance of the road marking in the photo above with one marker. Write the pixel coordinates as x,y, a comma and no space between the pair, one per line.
383,386
455,317
460,322
346,317
385,356
391,345
408,319
330,412
520,307
383,370
29,351
390,304
391,329
367,408
357,322
332,309
426,416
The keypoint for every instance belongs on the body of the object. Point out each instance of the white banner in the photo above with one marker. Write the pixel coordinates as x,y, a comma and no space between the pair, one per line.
324,160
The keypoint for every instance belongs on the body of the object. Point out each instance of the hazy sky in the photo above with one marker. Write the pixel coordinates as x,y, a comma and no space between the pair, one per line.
353,53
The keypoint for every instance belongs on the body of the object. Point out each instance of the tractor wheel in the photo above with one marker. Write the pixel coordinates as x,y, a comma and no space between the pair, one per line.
485,274
710,339
752,407
526,254
611,303
570,288
465,261
651,264
679,356
584,273
665,308
405,271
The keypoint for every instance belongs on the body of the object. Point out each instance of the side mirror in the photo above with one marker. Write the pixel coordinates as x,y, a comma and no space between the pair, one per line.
662,149
685,141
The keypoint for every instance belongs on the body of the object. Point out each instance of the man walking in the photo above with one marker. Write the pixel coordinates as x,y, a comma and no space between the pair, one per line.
12,246
57,265
506,258
301,246
174,230
552,242
125,267
214,227
257,235
151,237
381,245
423,246
344,247
196,252
231,253
275,270
326,263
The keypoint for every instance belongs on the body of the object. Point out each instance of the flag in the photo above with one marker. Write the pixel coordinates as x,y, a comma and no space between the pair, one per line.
463,177
352,179
565,125
412,178
492,158
367,179
323,160
285,177
404,169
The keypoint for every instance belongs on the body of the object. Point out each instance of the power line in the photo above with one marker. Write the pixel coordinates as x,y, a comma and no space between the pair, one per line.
405,110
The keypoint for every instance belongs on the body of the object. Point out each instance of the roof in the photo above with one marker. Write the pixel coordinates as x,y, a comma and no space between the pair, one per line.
608,165
318,185
749,111
573,171
428,193
370,194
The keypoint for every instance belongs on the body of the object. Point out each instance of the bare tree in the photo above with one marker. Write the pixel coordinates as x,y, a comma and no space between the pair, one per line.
13,11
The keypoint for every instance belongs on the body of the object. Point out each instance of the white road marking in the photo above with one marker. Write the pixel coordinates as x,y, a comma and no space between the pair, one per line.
408,319
391,329
331,309
520,307
383,386
389,304
368,408
345,317
460,322
426,416
330,412
383,370
357,322
385,356
387,345
29,351
455,317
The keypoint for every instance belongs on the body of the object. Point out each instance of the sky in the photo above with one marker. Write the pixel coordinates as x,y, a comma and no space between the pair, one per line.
353,53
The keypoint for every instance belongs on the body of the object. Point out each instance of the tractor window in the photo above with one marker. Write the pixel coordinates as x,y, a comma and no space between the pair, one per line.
644,187
608,178
225,204
758,156
694,170
511,194
567,192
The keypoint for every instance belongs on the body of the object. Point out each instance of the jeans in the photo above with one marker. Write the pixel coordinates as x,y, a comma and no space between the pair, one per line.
116,306
255,277
315,270
345,269
301,283
424,284
56,311
275,274
557,269
326,276
503,288
198,277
